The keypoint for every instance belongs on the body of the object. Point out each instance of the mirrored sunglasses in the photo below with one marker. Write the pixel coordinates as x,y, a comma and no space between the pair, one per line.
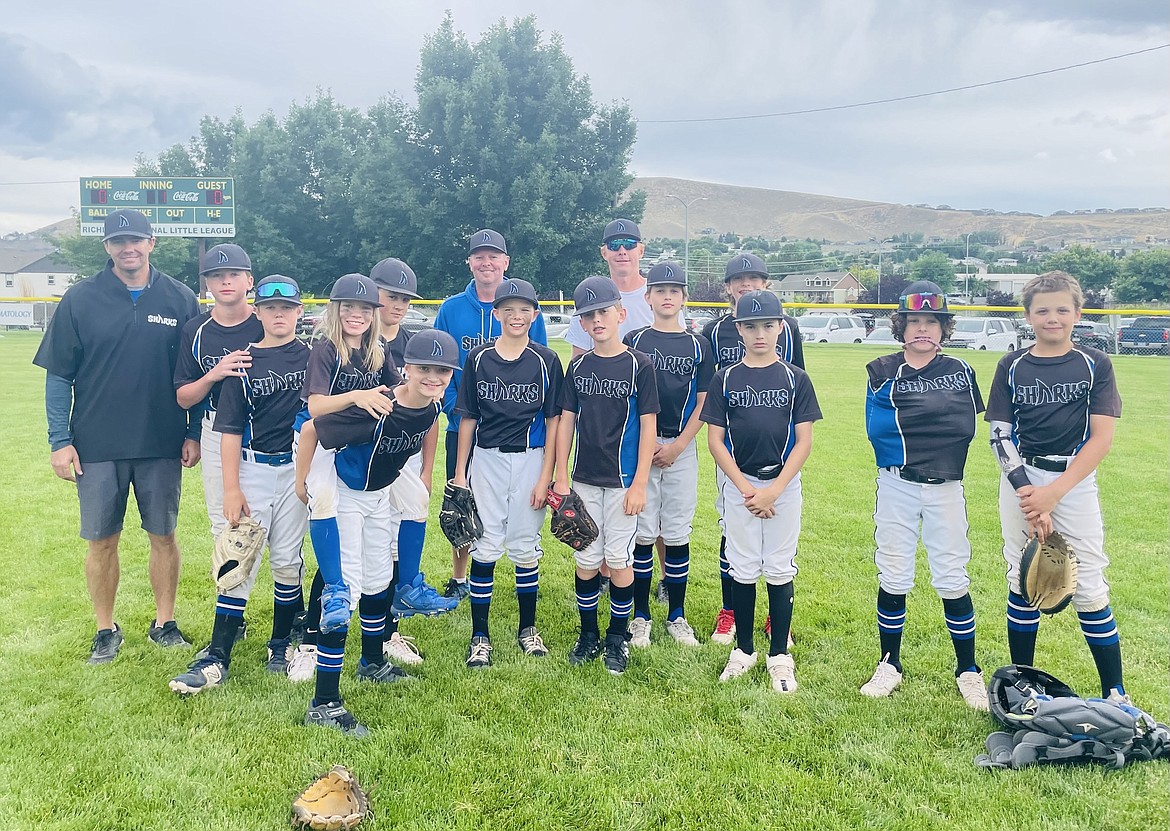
918,302
275,289
626,242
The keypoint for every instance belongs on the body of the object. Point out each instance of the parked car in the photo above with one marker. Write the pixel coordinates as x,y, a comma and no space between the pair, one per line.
1096,335
994,333
1145,334
832,328
881,336
555,324
416,321
309,319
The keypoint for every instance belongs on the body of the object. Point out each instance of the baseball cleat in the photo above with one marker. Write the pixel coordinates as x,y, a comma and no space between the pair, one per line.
682,632
586,649
383,673
479,653
334,715
782,671
418,598
531,643
203,674
302,666
106,644
738,663
167,635
401,650
457,589
297,633
886,679
640,632
724,627
335,610
617,653
279,652
974,691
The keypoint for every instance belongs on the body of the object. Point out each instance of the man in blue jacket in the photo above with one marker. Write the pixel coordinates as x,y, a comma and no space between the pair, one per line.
467,317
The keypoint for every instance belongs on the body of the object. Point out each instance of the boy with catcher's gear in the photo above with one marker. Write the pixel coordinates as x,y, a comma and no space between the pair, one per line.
508,409
682,369
255,421
744,273
1053,409
921,413
610,404
759,414
370,453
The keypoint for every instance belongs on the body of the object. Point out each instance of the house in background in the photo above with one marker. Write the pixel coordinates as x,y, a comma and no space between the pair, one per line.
818,287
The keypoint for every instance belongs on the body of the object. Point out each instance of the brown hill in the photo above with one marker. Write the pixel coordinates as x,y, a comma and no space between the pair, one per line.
776,213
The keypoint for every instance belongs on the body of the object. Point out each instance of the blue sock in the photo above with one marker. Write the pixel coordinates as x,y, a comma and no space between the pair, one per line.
891,619
527,586
287,600
1100,631
330,654
643,577
678,567
412,533
327,547
621,603
587,593
483,579
959,613
372,610
1023,622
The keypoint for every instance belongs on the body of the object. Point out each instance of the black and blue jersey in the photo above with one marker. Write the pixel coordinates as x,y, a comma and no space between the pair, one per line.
727,345
510,400
371,452
263,405
204,342
683,368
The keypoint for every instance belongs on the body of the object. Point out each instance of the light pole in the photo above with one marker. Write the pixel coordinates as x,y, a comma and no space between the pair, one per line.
879,280
686,226
967,270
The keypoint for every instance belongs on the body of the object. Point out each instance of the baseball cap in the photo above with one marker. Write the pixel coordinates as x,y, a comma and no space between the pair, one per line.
394,275
621,228
487,238
758,305
127,223
745,264
226,255
277,287
594,293
433,347
357,287
668,273
923,297
515,290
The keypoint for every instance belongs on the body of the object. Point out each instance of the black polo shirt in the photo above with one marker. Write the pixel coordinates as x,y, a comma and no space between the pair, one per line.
121,356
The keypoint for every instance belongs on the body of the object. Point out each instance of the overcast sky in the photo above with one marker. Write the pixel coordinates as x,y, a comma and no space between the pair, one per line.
85,86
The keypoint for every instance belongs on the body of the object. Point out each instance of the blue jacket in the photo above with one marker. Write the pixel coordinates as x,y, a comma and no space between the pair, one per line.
469,320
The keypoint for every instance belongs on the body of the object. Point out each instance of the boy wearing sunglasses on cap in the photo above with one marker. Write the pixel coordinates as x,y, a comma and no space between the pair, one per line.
255,422
921,411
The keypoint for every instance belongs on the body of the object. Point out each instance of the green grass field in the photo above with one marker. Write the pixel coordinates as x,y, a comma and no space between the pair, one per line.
537,744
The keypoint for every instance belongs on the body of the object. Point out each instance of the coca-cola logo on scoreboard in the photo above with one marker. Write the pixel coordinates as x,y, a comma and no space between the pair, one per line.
184,196
126,195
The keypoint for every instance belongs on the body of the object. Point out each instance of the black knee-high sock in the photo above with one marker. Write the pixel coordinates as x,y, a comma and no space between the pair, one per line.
780,608
1100,631
726,584
330,652
891,619
313,614
527,589
372,611
483,579
1023,622
960,617
678,566
287,601
643,578
223,636
587,593
744,604
621,604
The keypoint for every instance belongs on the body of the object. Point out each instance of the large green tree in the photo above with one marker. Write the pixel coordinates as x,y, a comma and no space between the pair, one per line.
1145,276
936,267
1092,268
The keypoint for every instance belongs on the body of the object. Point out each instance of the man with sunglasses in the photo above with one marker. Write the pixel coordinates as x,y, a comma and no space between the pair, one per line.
109,354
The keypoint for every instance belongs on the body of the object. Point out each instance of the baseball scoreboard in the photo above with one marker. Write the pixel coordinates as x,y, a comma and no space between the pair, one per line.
175,206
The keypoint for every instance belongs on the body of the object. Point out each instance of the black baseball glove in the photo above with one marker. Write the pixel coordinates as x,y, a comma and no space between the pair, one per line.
458,517
571,523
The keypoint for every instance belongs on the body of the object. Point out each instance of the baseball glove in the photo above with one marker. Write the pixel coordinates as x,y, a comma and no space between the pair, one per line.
458,517
334,801
1048,573
236,552
571,523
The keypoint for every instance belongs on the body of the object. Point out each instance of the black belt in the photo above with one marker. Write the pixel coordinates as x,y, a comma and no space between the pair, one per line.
765,473
667,435
1051,465
916,476
513,448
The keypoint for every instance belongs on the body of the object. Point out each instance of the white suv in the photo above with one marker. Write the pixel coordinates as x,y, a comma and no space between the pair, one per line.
995,333
831,328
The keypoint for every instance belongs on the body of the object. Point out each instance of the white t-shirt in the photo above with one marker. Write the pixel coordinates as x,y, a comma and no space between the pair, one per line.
638,314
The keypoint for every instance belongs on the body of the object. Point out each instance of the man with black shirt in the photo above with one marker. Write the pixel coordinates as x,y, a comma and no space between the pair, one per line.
110,354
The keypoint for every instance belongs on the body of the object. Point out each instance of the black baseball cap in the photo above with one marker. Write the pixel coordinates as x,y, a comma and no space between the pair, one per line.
595,293
127,223
226,255
745,264
433,347
278,288
621,229
396,276
667,273
514,289
487,238
758,305
357,287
